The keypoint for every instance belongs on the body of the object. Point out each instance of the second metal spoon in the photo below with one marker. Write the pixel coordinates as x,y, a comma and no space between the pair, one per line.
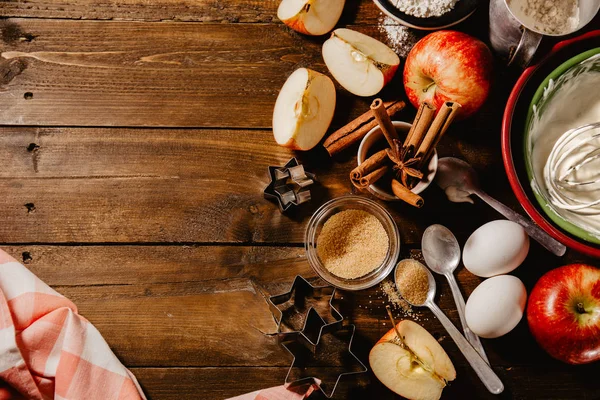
481,368
442,255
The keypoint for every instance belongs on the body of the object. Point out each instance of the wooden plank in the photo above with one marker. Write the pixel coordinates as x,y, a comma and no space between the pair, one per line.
154,185
89,73
247,11
147,300
550,382
272,267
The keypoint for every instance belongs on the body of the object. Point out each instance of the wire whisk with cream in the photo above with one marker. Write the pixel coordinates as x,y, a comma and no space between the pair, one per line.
572,171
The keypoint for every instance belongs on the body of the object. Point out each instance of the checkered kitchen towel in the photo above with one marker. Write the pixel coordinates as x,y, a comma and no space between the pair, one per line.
285,392
47,350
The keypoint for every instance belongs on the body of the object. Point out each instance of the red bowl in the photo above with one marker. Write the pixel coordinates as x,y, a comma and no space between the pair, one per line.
513,127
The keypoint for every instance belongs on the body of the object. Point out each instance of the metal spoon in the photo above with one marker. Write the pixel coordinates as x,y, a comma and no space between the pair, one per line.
482,369
442,255
454,175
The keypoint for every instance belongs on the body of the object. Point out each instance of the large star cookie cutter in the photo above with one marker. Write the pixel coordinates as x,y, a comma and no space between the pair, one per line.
296,319
309,338
320,356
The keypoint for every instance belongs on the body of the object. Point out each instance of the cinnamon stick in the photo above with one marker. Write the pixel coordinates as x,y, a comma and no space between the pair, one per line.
371,178
357,129
385,123
403,193
438,128
369,165
419,128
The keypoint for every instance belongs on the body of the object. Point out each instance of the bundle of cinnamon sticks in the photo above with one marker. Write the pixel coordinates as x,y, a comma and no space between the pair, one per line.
407,158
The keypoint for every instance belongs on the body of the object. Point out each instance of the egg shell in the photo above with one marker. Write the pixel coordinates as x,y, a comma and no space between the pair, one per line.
496,306
496,248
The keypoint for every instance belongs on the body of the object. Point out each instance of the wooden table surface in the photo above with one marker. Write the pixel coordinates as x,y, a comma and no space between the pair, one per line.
135,139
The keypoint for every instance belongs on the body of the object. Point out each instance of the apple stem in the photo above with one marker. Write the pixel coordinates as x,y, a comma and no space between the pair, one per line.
428,86
389,311
580,308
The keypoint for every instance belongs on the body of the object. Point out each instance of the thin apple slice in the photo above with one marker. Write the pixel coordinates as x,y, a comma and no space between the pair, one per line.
361,64
311,17
420,378
303,110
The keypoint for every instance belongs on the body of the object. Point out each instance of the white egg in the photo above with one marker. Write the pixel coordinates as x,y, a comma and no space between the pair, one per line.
496,306
496,248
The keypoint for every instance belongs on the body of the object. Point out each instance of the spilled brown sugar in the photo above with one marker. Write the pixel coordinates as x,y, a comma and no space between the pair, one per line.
352,243
412,281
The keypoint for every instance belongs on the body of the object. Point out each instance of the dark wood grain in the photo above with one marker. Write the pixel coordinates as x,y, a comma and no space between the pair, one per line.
228,11
200,186
87,73
134,153
194,297
219,383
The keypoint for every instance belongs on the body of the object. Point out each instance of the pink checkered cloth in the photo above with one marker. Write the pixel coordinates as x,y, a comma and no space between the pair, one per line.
285,392
47,350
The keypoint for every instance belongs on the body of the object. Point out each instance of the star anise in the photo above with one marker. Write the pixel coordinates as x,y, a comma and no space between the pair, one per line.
403,167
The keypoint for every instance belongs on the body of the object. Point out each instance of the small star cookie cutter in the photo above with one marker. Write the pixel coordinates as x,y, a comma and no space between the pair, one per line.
289,185
313,325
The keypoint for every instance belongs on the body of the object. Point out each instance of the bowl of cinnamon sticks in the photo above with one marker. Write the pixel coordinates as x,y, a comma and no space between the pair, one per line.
395,169
372,144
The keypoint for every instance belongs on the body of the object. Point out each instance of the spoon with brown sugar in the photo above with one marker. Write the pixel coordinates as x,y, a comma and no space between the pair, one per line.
417,286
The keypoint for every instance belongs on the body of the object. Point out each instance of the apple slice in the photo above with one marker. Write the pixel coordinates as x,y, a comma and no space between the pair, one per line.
397,368
361,64
311,17
303,110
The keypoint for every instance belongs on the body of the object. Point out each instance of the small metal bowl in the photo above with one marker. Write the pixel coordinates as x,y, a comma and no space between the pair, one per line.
352,202
374,136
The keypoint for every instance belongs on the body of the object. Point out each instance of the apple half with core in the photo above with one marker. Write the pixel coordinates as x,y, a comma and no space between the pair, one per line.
564,313
449,66
416,367
311,17
361,64
303,110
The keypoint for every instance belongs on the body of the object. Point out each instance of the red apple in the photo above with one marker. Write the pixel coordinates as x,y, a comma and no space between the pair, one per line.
449,66
564,313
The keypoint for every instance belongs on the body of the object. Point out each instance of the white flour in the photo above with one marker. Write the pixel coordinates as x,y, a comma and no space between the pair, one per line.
398,37
547,16
424,8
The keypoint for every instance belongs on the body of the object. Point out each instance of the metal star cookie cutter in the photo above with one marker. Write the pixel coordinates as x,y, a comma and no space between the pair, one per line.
302,347
313,325
289,185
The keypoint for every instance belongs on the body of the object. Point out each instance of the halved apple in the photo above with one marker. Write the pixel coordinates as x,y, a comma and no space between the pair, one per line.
361,64
419,372
311,17
303,110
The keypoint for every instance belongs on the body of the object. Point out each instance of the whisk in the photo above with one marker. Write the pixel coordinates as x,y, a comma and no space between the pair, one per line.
570,170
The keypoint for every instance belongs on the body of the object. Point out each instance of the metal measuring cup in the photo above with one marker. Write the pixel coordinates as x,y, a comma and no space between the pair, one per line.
516,41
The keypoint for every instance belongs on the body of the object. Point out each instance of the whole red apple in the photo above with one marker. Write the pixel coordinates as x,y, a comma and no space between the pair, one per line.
449,66
564,313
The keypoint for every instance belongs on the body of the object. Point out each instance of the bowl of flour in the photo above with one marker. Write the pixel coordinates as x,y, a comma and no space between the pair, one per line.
428,14
554,17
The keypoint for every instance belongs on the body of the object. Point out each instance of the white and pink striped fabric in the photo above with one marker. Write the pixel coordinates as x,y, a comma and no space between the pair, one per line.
47,350
285,392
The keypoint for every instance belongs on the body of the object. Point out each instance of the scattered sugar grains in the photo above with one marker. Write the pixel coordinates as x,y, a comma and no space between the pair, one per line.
424,8
394,298
352,243
400,38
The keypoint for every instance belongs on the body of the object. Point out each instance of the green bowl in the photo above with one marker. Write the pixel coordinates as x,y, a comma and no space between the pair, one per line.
566,71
